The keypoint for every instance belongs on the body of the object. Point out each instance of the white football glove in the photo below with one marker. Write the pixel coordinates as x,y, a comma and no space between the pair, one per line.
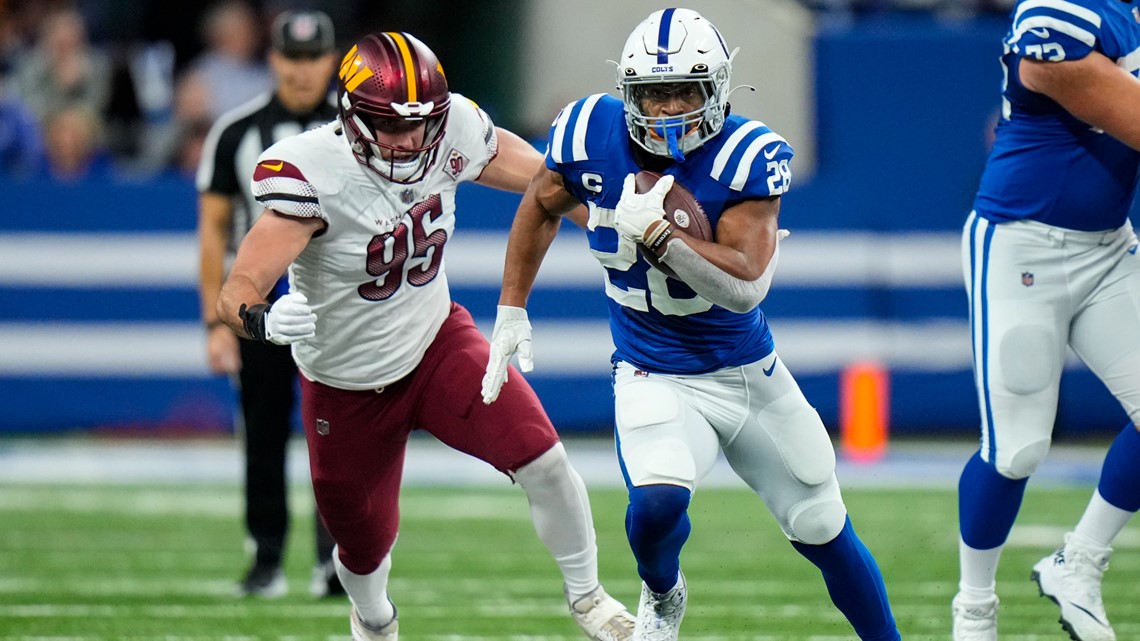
635,213
511,336
290,319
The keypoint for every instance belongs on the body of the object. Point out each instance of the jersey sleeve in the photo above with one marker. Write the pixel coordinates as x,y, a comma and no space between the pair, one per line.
579,142
754,161
476,142
1054,30
281,186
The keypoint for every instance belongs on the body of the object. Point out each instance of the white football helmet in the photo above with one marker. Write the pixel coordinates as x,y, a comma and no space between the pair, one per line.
675,52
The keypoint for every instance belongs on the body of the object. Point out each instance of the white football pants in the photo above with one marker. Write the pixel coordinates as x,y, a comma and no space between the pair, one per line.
1035,289
671,428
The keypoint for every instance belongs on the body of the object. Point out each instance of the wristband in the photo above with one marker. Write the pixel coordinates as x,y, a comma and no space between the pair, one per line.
253,320
661,238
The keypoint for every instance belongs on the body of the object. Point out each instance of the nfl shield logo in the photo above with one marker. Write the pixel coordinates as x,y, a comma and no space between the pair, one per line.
322,427
1027,279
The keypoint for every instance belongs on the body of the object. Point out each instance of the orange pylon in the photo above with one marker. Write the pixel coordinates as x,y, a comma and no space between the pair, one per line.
864,405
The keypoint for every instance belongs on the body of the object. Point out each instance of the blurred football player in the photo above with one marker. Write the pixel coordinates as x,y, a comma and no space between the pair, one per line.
1049,259
360,212
695,371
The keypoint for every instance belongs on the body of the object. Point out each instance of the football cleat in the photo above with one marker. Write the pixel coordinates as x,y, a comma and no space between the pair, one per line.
325,582
361,631
1071,577
975,620
602,617
263,580
659,615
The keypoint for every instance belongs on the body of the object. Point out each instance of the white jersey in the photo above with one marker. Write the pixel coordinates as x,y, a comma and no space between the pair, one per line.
375,277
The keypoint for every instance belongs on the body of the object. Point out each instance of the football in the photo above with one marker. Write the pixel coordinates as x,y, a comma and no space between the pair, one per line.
681,209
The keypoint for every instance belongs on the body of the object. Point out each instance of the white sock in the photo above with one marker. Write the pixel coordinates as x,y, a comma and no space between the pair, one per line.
368,592
978,571
560,510
1101,522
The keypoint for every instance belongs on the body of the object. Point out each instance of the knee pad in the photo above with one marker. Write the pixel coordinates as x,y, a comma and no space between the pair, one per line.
1022,462
817,520
1029,359
659,507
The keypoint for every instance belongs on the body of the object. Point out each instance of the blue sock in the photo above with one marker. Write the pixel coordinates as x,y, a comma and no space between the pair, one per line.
855,584
1120,476
657,524
987,504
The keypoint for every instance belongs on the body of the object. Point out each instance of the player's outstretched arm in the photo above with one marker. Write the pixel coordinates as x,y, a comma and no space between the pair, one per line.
513,166
535,225
271,245
1093,89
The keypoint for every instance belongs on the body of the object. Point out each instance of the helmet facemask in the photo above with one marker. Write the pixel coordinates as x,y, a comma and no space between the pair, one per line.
675,57
405,165
392,88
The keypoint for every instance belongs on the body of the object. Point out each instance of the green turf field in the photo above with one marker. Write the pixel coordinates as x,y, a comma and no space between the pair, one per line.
106,562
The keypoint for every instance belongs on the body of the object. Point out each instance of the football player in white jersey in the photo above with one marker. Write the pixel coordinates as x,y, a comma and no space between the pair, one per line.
360,211
1050,263
695,369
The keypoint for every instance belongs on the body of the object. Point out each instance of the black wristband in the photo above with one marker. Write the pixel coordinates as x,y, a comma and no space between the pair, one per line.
661,238
253,319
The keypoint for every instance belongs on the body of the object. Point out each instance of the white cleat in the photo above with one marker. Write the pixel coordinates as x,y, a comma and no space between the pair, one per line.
361,631
975,620
659,615
602,617
1071,578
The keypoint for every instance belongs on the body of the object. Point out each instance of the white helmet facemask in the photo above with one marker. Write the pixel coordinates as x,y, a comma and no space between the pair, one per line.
675,54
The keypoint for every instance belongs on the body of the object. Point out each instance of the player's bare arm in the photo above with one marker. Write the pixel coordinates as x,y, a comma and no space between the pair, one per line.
513,166
745,239
1093,89
271,245
536,223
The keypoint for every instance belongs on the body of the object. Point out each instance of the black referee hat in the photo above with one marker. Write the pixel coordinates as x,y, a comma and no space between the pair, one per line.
303,33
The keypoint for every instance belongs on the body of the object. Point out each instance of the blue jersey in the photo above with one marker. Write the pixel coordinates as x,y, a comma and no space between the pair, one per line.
658,323
1046,165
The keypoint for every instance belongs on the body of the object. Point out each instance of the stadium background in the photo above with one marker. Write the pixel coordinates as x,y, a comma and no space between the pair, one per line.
889,109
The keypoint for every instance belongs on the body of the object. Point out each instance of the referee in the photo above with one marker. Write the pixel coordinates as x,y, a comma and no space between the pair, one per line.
302,58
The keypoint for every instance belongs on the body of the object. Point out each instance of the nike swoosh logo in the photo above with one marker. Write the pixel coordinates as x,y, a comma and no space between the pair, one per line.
772,155
276,167
1086,611
1040,33
1132,250
768,371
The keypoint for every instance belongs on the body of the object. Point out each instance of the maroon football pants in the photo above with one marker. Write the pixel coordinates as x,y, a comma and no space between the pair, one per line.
357,439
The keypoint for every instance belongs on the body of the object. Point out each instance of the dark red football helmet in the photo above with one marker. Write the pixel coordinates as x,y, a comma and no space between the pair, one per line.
391,83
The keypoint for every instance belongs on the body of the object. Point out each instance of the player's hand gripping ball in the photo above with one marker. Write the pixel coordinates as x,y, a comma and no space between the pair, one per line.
681,209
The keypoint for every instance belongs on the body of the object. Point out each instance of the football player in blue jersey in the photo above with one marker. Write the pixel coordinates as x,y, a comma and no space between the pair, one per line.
1050,262
695,370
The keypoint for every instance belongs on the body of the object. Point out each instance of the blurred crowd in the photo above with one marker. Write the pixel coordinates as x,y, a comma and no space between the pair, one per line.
71,109
129,88
94,89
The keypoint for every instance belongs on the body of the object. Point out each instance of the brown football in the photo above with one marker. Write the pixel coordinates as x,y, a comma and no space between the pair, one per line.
681,209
